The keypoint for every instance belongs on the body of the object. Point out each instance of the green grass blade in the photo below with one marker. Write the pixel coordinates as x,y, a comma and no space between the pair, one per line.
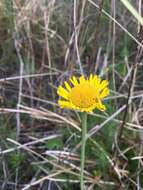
133,11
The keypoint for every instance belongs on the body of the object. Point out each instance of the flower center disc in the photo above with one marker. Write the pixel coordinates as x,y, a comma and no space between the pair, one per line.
83,95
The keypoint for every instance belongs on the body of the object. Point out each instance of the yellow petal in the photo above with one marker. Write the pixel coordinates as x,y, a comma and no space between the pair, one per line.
96,81
103,84
101,107
64,104
91,78
62,92
67,86
104,93
90,109
74,81
81,79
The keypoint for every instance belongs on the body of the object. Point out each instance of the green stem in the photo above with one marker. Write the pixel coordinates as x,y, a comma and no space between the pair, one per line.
83,144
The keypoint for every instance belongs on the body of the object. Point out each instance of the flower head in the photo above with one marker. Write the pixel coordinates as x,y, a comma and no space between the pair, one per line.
83,94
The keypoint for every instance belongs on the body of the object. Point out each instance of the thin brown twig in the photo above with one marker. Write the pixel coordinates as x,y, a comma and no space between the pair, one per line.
132,81
96,36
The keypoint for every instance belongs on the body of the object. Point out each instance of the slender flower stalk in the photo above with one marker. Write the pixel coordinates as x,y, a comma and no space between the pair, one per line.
83,145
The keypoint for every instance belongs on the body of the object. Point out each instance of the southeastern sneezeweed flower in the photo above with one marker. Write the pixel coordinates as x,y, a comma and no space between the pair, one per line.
83,94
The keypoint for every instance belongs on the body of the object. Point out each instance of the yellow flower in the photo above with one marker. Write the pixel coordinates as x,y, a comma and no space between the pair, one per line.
83,94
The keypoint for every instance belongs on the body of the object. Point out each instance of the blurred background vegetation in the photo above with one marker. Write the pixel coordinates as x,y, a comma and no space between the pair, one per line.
42,43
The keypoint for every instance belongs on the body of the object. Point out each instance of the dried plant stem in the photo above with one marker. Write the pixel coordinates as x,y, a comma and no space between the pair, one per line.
83,141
